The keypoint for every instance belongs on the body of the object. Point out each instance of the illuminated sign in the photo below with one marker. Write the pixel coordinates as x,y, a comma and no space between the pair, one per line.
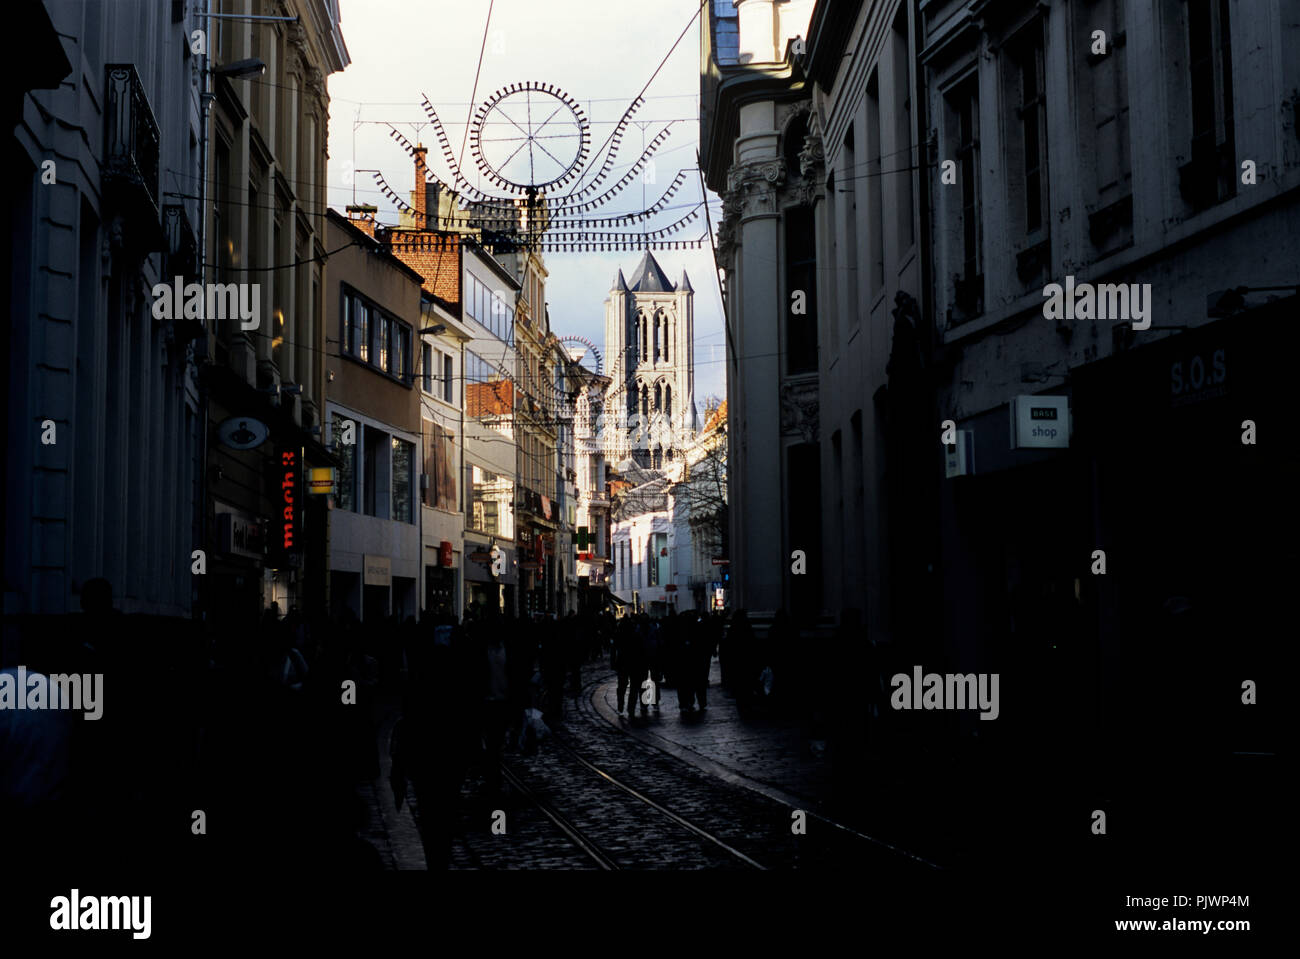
322,480
287,521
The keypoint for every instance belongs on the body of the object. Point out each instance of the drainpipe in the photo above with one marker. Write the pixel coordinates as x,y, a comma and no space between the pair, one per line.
205,100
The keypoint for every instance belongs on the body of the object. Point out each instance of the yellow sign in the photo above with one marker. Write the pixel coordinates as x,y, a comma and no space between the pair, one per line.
321,480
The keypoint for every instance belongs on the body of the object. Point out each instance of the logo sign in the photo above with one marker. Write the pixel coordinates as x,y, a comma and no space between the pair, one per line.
719,561
321,480
1040,422
498,561
287,522
242,433
445,553
379,570
670,588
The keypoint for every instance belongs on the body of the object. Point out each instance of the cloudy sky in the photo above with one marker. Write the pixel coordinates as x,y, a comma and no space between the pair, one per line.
601,54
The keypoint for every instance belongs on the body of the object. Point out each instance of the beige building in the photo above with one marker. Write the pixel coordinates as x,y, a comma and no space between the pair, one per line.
264,225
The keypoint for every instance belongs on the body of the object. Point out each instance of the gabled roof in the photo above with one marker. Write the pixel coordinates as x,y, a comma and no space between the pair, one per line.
650,277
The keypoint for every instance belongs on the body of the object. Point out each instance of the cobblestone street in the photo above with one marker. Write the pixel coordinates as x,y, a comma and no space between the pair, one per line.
662,790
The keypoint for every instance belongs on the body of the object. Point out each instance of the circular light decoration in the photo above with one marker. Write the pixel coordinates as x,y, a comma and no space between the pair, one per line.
530,136
592,350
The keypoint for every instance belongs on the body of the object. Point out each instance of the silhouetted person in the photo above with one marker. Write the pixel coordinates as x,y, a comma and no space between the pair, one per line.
631,668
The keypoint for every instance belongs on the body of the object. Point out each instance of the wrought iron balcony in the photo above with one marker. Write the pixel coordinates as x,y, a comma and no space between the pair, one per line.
131,144
182,248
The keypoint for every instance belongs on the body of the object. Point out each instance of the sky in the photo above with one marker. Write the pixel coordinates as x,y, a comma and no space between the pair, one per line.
601,54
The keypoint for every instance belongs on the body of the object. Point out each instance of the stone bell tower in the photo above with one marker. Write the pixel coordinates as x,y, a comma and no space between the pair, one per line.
649,343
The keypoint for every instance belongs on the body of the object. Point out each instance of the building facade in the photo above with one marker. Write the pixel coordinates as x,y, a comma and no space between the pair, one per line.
761,153
941,224
103,415
372,412
442,529
264,230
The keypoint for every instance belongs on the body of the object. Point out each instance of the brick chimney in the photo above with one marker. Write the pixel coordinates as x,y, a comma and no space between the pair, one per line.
362,215
421,187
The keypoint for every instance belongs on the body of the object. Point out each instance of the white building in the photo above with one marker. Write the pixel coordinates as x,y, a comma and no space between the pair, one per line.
442,528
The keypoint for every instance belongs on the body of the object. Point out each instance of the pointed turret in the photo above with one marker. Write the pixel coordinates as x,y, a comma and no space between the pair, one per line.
685,285
650,277
620,284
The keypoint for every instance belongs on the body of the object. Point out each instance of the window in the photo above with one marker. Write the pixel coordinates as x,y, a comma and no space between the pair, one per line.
901,182
875,189
1104,124
375,337
375,472
1028,173
1210,175
401,337
403,462
801,290
379,340
448,380
345,496
489,309
426,366
848,252
492,503
963,131
363,333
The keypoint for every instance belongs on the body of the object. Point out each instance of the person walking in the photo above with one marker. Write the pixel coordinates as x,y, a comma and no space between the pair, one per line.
631,669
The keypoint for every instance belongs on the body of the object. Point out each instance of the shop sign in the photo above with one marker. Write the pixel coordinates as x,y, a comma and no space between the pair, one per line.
1040,422
378,570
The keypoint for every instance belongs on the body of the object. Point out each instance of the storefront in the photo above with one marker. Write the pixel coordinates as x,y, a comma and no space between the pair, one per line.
1196,469
491,576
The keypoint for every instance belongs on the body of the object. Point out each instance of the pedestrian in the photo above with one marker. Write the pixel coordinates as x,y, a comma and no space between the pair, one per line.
425,748
740,656
631,665
496,703
702,650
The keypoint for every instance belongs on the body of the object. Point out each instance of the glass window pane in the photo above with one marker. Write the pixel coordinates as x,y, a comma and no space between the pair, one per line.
403,455
345,492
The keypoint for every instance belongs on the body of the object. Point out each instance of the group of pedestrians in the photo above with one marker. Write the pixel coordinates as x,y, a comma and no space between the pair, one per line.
676,650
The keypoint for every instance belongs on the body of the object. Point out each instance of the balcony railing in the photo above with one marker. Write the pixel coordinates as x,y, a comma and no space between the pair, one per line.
182,248
131,143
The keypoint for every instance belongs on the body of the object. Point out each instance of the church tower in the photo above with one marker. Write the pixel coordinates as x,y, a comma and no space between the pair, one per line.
649,343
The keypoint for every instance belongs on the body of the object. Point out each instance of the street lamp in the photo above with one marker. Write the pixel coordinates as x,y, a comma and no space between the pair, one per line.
240,68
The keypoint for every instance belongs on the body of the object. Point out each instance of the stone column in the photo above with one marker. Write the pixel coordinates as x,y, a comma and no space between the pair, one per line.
756,445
